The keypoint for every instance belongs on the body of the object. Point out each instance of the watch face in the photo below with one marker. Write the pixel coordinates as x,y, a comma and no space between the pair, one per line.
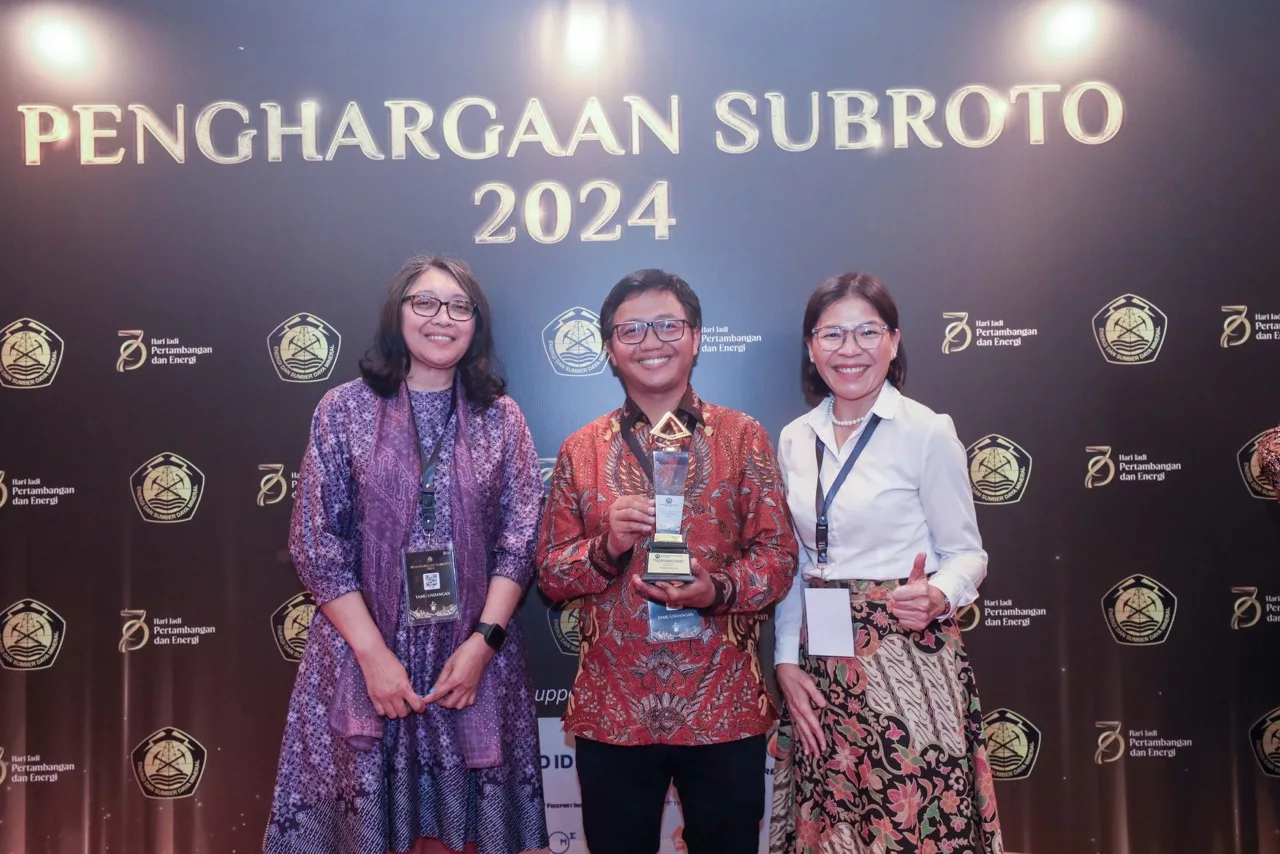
495,635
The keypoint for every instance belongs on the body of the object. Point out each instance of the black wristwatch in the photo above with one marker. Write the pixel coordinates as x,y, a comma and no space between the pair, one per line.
494,635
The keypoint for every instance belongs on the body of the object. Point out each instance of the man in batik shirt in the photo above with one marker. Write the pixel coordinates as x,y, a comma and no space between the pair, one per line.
648,710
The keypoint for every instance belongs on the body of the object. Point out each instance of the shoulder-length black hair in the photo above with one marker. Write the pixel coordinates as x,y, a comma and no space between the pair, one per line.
832,291
386,363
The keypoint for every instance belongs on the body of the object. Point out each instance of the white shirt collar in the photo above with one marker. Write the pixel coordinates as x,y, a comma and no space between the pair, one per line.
886,406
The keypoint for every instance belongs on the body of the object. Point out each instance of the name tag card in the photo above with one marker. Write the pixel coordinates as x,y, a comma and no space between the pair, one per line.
828,622
667,625
431,586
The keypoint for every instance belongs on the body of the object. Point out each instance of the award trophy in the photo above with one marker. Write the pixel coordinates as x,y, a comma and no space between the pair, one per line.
669,553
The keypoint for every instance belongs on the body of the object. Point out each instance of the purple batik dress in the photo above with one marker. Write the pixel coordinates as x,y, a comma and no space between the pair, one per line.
333,799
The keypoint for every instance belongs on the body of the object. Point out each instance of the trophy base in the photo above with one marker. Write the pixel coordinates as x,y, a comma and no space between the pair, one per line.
669,565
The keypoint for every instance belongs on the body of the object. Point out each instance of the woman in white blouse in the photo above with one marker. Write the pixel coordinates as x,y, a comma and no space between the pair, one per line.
881,744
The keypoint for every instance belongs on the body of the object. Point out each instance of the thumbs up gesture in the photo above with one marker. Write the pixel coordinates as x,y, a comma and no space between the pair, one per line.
917,602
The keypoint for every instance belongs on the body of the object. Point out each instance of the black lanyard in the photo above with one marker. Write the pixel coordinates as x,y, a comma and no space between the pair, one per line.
629,433
822,503
427,485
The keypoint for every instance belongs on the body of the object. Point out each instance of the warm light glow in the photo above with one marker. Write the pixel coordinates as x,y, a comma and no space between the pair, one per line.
1070,27
584,35
59,44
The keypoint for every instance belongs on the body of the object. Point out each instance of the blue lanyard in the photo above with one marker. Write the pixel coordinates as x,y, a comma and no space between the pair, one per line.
822,502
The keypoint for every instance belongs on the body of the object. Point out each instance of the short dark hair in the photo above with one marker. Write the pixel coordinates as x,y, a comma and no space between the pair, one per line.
386,364
832,291
649,280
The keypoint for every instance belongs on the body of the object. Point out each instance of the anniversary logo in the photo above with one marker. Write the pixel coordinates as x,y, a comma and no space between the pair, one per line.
1110,743
990,332
1248,610
1258,484
167,488
1139,611
1237,328
722,339
291,623
134,352
1133,468
1013,744
31,635
32,768
1114,743
274,487
998,470
30,355
1130,330
168,764
573,344
969,617
163,631
1006,613
32,492
304,349
974,116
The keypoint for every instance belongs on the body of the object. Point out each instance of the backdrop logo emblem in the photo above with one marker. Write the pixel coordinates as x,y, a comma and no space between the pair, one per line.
135,632
573,343
566,627
1258,484
167,488
1102,469
291,624
546,465
959,326
133,353
998,470
1247,610
1013,744
4,769
31,635
273,487
30,354
4,491
1139,611
304,349
969,617
1130,330
169,764
1110,742
1236,328
1265,738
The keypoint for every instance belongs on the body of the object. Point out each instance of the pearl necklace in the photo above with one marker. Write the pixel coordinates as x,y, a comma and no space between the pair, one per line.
853,422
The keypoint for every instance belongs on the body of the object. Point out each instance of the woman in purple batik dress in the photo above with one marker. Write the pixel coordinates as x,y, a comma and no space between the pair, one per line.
404,735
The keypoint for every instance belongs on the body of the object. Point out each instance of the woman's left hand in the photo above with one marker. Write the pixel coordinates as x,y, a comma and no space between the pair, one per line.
456,686
918,603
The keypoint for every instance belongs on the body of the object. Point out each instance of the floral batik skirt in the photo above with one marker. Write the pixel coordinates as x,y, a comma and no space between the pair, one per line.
905,766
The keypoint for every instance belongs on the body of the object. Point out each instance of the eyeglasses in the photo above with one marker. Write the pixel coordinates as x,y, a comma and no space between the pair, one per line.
866,335
634,332
425,305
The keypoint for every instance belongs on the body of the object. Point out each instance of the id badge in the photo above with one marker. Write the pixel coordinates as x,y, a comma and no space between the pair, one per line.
828,621
431,586
668,625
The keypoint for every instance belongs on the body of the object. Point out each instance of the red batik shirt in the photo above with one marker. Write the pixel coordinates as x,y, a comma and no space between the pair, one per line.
629,691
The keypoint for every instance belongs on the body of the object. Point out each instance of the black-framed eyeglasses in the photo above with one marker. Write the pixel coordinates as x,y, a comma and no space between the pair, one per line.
866,335
634,332
425,305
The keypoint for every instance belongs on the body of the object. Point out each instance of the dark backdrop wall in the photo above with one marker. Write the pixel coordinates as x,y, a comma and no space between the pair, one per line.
1072,205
